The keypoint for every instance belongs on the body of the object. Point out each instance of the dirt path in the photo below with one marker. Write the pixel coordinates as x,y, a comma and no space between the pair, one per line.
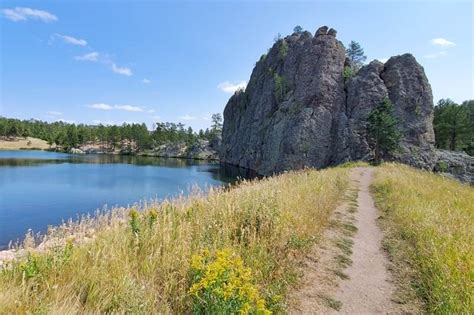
348,273
368,289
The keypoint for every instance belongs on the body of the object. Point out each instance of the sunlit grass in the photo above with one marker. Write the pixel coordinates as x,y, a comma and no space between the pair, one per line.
140,262
430,224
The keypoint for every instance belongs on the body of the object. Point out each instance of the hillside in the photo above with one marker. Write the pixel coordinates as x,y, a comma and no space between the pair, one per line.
27,143
245,248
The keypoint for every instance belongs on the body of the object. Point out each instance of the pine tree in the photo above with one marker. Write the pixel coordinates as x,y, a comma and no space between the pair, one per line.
382,133
356,54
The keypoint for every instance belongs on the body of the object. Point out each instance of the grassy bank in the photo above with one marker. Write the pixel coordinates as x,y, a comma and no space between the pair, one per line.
428,222
235,250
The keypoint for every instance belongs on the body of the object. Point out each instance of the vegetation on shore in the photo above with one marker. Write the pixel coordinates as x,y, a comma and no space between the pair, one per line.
127,137
237,250
429,236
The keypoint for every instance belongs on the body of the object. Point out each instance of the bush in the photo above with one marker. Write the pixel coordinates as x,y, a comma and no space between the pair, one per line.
348,73
221,284
283,50
281,87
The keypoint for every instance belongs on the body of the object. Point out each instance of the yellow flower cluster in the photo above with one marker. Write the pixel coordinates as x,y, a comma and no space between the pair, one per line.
227,281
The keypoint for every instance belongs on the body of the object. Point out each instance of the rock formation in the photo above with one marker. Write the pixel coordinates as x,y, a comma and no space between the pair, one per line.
201,150
457,165
298,109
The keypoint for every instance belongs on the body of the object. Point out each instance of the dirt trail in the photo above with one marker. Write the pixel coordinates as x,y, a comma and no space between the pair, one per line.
368,289
365,286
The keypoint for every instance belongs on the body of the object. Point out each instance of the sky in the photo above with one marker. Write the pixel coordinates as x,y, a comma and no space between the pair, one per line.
118,61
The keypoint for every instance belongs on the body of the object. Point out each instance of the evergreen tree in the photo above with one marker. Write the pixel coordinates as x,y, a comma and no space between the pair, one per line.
355,53
383,136
298,29
454,125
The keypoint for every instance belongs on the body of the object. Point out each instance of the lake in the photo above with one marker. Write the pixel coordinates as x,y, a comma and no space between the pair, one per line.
39,188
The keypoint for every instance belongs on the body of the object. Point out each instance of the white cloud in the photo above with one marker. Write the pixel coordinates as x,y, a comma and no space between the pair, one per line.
54,113
146,81
187,117
383,60
229,87
105,123
105,59
129,108
93,56
101,106
72,40
24,14
121,70
151,111
156,117
66,121
436,55
442,42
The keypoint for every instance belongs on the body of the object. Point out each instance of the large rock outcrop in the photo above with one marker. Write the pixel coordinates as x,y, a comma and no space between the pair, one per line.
457,165
298,109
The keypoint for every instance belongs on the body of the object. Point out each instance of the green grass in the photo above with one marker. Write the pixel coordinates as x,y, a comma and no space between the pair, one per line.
429,228
128,261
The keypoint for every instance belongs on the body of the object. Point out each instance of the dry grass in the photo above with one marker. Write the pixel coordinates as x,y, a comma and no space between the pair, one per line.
269,223
28,143
428,222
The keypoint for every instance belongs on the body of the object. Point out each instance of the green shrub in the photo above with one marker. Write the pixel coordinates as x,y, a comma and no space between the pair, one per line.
134,221
283,50
221,284
281,87
347,73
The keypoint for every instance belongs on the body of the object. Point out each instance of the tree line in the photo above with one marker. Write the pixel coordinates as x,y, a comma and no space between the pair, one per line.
454,125
131,137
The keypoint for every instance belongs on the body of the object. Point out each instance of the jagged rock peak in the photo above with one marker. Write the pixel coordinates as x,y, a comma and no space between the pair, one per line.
323,30
332,32
299,110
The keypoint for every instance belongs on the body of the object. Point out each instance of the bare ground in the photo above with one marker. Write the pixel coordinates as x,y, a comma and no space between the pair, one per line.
348,273
23,143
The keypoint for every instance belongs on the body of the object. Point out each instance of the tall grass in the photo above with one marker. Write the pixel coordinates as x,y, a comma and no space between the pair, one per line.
430,220
140,262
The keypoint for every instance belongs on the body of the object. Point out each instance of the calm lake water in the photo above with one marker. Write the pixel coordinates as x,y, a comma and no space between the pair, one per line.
39,188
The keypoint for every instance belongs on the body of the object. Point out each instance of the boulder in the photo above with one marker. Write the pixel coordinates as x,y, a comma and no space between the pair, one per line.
332,32
457,165
323,30
76,151
202,150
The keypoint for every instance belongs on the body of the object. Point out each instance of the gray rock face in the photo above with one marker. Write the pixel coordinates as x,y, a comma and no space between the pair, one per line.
298,110
458,165
201,150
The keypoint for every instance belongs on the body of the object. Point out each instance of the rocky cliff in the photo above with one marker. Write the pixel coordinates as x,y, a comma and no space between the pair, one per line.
299,110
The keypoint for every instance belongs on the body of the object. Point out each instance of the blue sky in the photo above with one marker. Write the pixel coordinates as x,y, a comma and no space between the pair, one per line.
145,61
